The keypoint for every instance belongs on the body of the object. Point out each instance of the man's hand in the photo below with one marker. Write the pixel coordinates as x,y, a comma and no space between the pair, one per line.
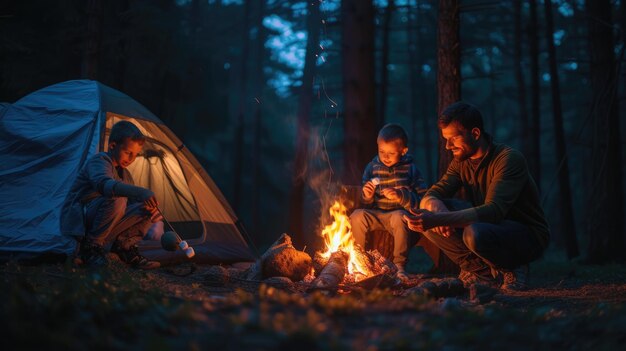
392,194
419,220
368,190
434,206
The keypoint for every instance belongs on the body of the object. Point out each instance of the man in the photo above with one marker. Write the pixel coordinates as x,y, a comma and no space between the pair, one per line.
505,227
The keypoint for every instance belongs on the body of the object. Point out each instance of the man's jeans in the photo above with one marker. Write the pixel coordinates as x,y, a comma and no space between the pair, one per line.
481,246
365,220
111,220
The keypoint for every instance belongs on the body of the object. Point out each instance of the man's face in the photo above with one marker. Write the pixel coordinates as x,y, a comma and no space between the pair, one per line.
389,153
124,154
462,142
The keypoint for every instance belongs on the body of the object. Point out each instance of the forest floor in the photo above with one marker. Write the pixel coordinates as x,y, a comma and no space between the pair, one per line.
570,306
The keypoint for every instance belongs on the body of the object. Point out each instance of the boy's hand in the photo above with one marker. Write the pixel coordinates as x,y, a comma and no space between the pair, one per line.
368,190
392,194
148,198
155,214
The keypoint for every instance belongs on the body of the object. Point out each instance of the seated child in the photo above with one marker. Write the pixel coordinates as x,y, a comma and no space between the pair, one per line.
105,209
391,186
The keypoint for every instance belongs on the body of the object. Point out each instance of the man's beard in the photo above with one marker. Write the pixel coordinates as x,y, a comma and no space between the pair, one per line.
466,153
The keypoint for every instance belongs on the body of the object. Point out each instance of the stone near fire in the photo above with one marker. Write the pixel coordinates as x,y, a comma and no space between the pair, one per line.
273,260
282,283
287,262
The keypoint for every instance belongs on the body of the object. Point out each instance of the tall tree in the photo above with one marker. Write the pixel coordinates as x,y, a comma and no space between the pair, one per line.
448,91
261,36
241,110
606,210
418,96
534,136
305,100
567,228
384,81
424,99
93,39
448,68
359,90
519,71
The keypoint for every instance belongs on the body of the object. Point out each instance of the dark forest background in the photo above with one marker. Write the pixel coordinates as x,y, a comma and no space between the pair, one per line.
281,100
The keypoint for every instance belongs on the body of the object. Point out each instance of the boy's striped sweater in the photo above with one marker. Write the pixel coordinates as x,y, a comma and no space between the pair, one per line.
404,176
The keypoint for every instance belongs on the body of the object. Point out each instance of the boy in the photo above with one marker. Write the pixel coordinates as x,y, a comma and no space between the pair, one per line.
105,209
392,185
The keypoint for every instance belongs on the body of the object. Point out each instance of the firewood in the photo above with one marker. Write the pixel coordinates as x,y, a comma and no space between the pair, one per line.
319,262
382,265
365,261
333,272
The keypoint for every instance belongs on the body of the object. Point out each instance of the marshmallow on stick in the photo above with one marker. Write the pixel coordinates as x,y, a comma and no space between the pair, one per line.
375,181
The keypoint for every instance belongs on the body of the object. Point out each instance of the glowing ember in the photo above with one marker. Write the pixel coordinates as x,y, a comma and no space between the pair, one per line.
338,236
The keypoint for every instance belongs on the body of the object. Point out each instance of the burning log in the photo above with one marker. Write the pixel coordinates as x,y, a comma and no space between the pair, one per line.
333,273
381,264
364,264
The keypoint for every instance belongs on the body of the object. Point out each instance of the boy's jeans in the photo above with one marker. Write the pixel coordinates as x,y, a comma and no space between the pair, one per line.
365,220
111,220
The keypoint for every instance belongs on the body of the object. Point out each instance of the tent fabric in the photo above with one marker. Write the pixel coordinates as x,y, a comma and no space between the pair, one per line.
46,137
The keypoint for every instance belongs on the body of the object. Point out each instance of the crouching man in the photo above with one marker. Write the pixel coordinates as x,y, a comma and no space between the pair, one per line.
505,227
104,209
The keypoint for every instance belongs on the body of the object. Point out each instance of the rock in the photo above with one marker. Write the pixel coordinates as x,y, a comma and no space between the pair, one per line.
287,262
254,272
280,283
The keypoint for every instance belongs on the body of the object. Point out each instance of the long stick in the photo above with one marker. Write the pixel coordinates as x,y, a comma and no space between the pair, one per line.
168,224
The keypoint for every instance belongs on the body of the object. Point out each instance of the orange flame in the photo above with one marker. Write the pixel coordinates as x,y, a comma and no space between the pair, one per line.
338,236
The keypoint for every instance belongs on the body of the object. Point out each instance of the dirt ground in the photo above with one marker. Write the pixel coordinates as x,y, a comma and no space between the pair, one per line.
569,305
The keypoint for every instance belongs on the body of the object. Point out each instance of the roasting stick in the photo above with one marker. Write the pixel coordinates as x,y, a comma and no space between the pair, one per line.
182,243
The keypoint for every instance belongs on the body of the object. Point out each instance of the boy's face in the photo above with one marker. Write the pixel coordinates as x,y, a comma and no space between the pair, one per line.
124,154
390,152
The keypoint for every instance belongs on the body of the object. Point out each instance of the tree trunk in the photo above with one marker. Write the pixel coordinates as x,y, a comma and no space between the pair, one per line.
519,75
448,68
606,227
94,40
241,113
448,90
567,229
384,81
424,98
258,122
305,100
357,51
534,160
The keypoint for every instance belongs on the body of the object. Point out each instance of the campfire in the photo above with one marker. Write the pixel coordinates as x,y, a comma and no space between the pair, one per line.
341,265
340,262
359,264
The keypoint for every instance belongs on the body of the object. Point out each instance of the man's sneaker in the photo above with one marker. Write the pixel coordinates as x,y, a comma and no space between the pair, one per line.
515,280
134,258
92,255
470,278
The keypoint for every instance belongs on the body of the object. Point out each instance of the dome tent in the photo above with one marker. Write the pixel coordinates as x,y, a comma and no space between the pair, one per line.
46,137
